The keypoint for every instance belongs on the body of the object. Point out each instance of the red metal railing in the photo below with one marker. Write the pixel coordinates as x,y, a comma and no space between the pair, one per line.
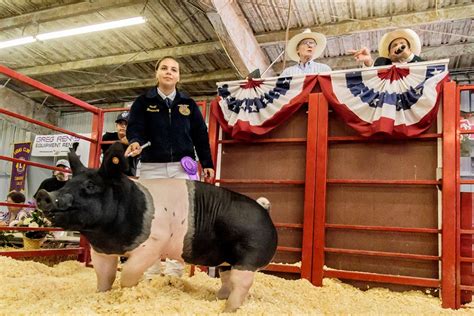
96,131
464,218
448,256
450,167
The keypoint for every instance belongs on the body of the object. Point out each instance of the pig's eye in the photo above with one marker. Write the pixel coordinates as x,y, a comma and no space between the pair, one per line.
90,187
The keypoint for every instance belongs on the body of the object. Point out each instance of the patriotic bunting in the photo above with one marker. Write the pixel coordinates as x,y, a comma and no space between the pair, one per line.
255,107
399,100
396,100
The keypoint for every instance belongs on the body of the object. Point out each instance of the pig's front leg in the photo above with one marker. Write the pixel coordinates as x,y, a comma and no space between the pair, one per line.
105,267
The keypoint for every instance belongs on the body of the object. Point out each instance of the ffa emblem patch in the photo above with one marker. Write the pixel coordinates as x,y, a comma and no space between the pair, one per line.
152,108
184,109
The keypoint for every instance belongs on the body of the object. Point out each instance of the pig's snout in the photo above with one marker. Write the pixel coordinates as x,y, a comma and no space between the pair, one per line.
44,201
48,201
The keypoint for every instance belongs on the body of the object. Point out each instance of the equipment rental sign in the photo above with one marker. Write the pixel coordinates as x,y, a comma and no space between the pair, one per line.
53,145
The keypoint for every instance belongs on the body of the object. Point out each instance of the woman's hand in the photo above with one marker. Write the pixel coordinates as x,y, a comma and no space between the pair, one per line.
134,149
208,173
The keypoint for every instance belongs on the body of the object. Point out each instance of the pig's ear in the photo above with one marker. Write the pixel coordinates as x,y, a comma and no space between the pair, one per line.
114,162
76,164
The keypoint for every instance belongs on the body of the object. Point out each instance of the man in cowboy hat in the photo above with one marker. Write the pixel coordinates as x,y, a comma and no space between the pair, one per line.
399,46
304,48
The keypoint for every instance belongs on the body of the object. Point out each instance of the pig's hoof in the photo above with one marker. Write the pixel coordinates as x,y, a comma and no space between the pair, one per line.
230,307
223,293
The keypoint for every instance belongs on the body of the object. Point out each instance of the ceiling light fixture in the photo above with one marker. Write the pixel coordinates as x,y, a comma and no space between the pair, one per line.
75,31
91,28
18,41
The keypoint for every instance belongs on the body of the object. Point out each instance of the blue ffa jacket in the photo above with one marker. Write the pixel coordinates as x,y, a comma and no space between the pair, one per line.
173,132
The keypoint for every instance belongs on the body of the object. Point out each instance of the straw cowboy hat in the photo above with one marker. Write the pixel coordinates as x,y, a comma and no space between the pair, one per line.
292,46
409,35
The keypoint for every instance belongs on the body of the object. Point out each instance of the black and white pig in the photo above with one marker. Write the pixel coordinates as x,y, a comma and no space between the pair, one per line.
146,220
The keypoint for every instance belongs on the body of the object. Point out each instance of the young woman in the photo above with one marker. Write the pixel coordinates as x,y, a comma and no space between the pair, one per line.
172,123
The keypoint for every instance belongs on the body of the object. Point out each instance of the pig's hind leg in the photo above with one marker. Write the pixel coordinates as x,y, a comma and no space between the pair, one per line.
240,283
224,291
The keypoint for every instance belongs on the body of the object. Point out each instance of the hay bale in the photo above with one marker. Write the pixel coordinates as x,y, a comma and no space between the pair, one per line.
69,289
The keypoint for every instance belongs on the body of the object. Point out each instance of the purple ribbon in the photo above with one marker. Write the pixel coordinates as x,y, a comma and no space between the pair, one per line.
190,166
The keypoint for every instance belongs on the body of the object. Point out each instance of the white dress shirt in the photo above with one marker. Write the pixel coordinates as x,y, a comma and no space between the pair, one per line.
171,96
311,67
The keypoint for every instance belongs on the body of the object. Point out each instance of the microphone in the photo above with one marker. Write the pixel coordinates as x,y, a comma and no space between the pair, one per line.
400,49
142,147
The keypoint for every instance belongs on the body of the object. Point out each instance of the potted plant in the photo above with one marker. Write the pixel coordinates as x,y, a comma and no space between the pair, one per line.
34,239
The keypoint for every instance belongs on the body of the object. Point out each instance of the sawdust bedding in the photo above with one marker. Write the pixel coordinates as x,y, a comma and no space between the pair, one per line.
69,289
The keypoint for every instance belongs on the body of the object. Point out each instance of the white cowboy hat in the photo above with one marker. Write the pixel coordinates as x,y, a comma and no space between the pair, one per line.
409,35
291,48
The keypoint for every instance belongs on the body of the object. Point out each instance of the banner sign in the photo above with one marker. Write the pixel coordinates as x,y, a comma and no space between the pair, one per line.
58,146
53,145
18,175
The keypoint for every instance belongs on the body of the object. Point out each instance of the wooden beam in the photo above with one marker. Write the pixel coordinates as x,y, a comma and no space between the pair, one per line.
237,37
428,53
400,20
220,75
62,12
137,57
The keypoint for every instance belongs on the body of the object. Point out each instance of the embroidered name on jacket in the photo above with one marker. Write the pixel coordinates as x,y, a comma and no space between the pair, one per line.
152,108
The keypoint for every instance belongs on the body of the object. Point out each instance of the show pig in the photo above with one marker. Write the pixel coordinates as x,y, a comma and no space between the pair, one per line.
146,220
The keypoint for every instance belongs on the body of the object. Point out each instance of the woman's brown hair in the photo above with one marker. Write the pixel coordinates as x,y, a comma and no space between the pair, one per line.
160,60
16,197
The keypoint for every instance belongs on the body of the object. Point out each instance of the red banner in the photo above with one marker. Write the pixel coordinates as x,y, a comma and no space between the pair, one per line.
18,175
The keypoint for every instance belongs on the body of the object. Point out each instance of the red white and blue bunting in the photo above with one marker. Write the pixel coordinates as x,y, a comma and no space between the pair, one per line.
398,100
255,107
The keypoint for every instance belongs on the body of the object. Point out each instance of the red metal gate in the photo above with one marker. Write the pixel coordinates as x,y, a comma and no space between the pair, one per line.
447,280
96,132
